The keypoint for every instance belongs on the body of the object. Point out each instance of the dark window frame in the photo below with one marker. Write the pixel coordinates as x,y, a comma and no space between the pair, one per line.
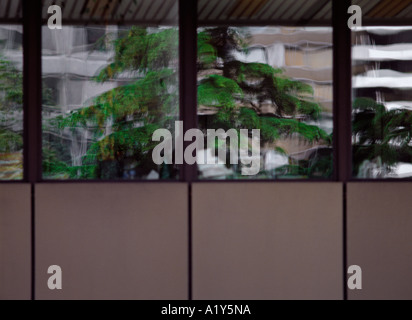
342,92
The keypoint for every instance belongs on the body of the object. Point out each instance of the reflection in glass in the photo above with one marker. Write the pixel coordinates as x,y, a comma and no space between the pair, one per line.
107,89
11,102
277,80
382,106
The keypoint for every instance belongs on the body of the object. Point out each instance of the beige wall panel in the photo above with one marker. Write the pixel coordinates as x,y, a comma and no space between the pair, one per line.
267,241
380,239
15,241
113,241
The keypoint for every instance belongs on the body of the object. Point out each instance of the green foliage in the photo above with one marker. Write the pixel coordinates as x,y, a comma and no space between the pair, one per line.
206,52
218,91
140,51
10,141
381,134
134,110
11,85
146,100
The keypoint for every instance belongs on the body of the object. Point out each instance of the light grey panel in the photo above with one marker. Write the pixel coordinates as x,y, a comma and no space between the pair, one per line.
380,239
15,242
267,241
113,241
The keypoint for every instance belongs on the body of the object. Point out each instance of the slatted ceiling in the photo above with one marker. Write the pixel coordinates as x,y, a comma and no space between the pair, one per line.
207,8
389,11
117,9
68,8
215,13
292,12
99,9
237,9
173,14
382,8
155,9
131,10
278,13
163,9
144,8
76,10
271,10
148,10
212,8
301,9
282,11
324,13
406,12
46,5
253,10
263,8
366,5
3,9
6,13
394,11
88,9
14,7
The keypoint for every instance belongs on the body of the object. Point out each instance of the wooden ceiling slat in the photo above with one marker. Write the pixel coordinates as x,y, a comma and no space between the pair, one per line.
278,15
78,8
276,4
162,14
201,7
152,13
399,8
7,12
97,8
405,12
208,9
291,13
379,7
146,12
126,9
236,12
263,9
19,12
224,14
314,9
137,10
215,14
68,8
255,8
388,8
323,12
368,6
238,7
46,5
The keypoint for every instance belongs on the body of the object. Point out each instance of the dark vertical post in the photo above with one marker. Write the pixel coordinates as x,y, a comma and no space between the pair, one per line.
32,108
342,114
188,75
342,80
32,90
188,102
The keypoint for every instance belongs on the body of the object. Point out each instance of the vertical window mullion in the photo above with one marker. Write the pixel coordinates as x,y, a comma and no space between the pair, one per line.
32,90
188,75
342,91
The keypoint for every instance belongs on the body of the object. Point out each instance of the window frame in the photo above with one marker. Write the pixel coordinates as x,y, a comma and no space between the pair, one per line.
188,22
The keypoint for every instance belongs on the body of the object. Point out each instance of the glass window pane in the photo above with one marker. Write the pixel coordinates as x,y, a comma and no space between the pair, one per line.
107,88
278,80
265,77
382,102
11,100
